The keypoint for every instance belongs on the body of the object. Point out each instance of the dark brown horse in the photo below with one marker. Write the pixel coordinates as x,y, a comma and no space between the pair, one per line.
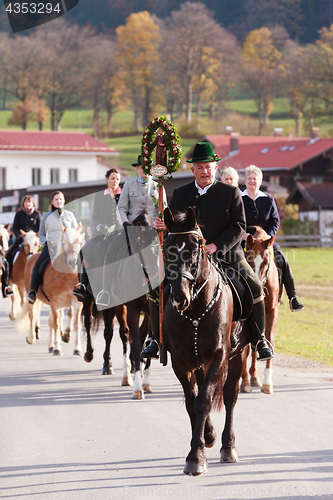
259,254
196,331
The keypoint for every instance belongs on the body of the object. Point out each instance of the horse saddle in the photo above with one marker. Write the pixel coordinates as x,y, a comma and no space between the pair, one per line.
241,292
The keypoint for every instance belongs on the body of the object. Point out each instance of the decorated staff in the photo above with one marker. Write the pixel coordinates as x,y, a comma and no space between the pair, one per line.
162,135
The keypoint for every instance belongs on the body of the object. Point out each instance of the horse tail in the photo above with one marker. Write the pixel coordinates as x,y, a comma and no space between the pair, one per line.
218,393
22,321
97,315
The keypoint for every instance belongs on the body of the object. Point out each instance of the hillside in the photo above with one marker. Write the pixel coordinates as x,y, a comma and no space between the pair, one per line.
301,18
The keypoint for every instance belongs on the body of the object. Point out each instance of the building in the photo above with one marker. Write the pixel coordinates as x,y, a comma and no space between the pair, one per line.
41,162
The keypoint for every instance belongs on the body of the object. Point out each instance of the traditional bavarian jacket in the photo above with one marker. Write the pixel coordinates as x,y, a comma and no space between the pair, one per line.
26,222
261,212
138,197
220,214
50,225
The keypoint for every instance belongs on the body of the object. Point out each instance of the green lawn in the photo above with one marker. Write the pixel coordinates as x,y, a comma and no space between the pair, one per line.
309,333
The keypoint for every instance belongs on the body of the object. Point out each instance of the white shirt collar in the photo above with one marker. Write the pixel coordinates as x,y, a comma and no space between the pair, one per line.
204,190
260,194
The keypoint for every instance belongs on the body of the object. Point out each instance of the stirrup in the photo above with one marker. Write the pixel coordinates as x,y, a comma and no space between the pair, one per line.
103,301
255,349
32,296
299,304
151,350
79,292
8,291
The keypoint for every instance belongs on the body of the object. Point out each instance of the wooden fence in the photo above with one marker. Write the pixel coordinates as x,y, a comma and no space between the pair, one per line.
304,240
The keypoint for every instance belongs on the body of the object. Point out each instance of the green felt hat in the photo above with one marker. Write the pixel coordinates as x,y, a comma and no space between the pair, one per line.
138,163
203,151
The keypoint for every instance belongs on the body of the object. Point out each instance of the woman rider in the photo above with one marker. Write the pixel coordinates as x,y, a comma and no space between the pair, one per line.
105,222
28,219
260,210
50,233
230,176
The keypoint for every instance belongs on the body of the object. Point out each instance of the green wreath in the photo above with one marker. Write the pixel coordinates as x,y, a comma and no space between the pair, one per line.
173,145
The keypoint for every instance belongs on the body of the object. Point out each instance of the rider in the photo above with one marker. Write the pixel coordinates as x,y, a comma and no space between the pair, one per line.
220,214
261,210
230,176
138,196
105,222
28,219
50,233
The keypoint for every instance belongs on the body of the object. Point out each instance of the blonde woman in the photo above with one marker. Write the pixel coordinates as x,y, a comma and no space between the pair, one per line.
230,176
261,210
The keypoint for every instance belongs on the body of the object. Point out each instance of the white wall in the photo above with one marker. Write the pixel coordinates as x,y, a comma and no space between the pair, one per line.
19,167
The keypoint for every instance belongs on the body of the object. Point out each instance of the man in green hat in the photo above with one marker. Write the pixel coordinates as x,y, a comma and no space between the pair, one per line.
220,213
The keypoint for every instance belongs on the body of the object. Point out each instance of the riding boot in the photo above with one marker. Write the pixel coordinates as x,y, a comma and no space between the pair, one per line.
287,280
6,289
257,324
34,284
81,287
151,350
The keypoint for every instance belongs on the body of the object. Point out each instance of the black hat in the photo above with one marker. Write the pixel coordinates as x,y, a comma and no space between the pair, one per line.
203,151
138,163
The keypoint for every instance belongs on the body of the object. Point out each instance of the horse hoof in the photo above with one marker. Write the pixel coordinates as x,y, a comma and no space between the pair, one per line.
29,340
147,388
65,338
88,357
229,455
50,350
195,468
37,332
108,370
245,388
267,389
138,395
12,317
255,382
76,352
56,352
126,382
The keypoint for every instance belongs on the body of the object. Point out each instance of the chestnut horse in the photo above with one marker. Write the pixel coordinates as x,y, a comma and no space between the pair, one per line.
56,291
259,254
29,247
197,325
4,239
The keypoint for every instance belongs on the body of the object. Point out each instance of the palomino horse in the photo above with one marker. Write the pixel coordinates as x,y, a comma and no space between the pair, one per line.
29,246
197,325
128,315
56,291
260,256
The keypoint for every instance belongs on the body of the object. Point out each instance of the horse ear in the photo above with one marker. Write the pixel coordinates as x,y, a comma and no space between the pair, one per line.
249,240
168,218
7,226
23,233
269,243
191,218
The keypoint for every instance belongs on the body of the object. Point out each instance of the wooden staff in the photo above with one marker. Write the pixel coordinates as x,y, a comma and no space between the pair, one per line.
163,357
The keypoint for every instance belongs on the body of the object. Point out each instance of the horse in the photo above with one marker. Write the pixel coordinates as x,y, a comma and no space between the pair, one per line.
59,279
197,327
130,328
29,247
259,254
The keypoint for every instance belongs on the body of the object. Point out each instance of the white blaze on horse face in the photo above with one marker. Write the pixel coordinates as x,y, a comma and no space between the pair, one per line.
179,249
31,240
257,263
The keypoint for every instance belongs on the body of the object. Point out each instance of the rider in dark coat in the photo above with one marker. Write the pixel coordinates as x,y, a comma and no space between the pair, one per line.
220,212
261,210
27,219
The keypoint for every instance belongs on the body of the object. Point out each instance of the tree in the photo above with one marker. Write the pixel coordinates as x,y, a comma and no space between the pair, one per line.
261,70
137,55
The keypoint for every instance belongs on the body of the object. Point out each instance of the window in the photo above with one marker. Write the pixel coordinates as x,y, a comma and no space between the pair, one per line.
2,177
72,175
55,175
36,176
274,179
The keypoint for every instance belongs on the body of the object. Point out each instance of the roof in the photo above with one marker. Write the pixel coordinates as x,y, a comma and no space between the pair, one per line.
268,152
317,195
26,140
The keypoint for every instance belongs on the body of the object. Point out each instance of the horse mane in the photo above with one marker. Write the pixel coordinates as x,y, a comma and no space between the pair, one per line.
179,222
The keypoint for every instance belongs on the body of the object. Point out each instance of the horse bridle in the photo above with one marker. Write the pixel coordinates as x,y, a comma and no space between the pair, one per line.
188,275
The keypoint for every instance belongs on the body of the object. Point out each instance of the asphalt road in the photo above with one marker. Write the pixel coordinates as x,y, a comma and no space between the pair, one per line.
68,433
